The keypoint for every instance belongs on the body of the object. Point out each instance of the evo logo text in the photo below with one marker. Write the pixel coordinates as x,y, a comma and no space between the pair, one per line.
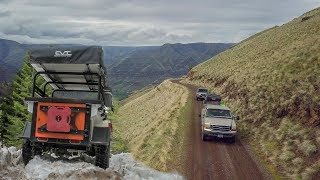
62,54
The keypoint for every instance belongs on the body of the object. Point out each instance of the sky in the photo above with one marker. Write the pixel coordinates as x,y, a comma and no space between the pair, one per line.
143,22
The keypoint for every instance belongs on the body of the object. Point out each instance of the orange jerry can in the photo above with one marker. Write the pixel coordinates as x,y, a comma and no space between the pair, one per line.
59,119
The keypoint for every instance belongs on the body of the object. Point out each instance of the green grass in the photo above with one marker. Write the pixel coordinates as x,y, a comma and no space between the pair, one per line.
151,125
118,144
265,163
177,157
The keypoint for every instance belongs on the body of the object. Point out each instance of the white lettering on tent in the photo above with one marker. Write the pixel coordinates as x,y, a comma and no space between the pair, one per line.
62,54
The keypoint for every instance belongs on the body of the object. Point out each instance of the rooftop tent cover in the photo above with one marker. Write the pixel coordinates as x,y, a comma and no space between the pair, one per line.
80,59
67,55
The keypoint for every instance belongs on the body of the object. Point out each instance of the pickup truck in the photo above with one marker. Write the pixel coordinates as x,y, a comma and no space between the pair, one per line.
218,121
212,99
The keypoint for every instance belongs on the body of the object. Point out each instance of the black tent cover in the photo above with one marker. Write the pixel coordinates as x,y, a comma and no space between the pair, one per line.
67,55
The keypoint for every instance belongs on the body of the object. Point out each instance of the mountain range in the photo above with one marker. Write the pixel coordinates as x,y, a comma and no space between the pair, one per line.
129,68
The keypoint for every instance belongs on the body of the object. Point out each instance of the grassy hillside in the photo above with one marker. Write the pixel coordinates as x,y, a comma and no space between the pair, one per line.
272,80
153,125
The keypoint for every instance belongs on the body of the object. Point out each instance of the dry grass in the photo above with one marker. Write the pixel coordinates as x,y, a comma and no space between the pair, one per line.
151,124
272,80
136,94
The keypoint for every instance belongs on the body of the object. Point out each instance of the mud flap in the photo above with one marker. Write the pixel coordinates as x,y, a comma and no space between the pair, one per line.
101,135
26,131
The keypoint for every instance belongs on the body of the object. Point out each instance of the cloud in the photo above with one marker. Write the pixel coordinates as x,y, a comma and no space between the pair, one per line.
4,12
143,22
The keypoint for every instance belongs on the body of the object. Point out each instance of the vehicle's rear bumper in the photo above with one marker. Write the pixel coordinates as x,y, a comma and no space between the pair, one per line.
220,134
62,144
100,136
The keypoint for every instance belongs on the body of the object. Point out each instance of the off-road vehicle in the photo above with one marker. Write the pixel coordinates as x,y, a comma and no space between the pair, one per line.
212,99
218,121
71,116
201,94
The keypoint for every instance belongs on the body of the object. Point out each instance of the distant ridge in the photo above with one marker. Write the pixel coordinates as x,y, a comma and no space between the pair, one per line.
151,65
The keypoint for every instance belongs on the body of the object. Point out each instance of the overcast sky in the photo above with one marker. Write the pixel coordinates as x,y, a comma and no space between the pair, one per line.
143,22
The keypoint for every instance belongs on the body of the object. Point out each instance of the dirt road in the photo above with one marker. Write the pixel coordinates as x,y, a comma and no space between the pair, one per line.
217,159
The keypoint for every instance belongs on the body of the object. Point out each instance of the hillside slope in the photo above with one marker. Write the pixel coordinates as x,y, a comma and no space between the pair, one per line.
153,126
11,58
272,81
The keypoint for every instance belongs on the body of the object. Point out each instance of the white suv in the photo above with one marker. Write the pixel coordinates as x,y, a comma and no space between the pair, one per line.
201,94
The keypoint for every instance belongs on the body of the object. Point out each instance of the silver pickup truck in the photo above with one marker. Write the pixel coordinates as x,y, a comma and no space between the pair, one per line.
218,121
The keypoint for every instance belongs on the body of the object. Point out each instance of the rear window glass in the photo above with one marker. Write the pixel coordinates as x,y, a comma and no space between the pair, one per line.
203,90
213,98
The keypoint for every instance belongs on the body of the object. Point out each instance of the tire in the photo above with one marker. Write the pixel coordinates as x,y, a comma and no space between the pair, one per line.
203,137
232,139
37,151
91,151
27,154
102,156
197,99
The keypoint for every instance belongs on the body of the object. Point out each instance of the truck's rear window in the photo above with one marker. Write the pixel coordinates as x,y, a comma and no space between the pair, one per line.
203,90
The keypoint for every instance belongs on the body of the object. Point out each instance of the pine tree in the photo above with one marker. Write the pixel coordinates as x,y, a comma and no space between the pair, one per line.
1,123
15,112
6,109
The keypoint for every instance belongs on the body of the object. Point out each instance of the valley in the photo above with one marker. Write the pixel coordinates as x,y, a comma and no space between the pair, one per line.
271,80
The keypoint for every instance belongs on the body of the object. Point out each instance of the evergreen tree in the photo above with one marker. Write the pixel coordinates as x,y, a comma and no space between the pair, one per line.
5,109
1,123
15,112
